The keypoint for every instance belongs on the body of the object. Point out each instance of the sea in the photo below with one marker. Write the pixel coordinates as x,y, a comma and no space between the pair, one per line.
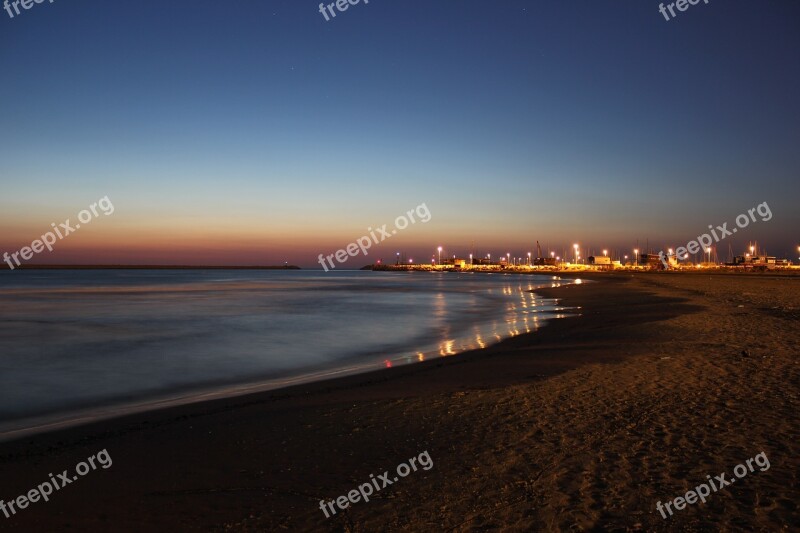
80,345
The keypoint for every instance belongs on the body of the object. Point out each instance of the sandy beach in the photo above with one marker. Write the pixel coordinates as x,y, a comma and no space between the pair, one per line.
661,381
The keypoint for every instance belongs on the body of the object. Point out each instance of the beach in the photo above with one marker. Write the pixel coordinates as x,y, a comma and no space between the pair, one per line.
661,381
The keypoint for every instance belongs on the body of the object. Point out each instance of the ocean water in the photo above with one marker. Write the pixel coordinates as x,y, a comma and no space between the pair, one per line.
93,343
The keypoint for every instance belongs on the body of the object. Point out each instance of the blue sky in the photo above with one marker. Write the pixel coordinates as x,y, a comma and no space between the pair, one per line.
257,132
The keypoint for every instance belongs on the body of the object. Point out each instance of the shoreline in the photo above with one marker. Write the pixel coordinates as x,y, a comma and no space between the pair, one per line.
509,428
38,424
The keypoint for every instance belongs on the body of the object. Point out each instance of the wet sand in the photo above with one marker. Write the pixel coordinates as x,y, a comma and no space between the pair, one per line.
662,380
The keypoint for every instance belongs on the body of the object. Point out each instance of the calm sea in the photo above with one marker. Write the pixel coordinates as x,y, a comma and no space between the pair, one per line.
93,343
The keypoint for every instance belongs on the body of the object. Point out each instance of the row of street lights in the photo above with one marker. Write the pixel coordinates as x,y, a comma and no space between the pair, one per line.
508,255
576,248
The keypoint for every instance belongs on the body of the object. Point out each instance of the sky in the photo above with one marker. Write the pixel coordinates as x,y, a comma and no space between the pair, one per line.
258,133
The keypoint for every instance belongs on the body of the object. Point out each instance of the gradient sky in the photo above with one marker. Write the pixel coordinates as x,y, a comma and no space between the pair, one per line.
255,132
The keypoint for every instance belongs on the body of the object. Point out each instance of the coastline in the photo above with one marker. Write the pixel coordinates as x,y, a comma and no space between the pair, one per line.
515,408
355,363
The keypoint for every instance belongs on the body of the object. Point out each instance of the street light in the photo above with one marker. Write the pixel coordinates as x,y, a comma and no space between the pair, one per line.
605,253
440,255
398,259
576,253
708,250
636,252
508,258
529,259
470,259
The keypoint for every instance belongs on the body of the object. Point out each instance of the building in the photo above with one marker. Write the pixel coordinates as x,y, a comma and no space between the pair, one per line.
604,261
761,261
456,262
651,261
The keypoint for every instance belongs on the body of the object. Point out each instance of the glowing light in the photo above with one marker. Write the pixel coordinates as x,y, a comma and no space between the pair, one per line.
480,342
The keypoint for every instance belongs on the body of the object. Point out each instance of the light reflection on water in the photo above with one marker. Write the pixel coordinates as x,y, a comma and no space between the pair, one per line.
82,339
526,317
